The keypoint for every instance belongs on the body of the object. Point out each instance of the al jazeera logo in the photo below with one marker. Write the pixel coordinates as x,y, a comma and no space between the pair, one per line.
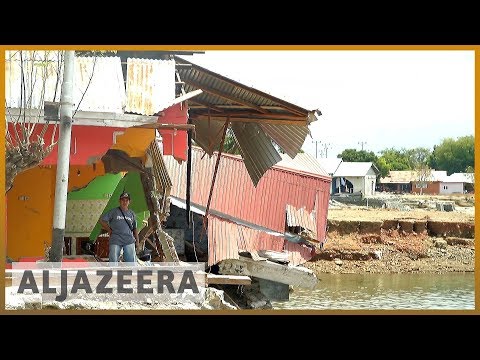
102,281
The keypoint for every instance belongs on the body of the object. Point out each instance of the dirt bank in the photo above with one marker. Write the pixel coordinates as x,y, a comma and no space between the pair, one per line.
363,240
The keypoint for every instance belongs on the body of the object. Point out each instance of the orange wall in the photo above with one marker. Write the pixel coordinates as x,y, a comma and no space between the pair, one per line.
30,207
433,188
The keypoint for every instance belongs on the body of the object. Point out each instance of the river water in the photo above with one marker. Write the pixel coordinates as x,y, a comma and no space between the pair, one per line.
453,291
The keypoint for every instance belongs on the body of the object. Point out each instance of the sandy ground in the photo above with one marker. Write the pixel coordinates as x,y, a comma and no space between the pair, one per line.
393,251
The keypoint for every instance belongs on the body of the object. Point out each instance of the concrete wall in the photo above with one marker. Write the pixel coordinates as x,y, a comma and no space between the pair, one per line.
451,188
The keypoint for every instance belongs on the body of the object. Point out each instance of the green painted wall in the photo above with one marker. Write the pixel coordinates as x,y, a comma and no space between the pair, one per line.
99,188
132,184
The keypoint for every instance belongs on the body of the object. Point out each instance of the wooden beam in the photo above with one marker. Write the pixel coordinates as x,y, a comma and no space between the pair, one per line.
225,96
298,276
167,126
88,118
251,120
228,279
195,101
257,116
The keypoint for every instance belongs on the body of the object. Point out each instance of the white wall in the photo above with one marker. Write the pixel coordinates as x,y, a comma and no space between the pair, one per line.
370,182
451,188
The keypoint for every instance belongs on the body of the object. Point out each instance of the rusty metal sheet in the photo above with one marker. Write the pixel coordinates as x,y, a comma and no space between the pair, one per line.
150,85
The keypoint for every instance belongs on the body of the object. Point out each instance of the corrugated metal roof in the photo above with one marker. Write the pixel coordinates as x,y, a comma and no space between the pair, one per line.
226,94
301,217
330,164
208,134
101,75
257,150
302,162
399,177
150,85
407,176
354,168
235,195
225,99
289,137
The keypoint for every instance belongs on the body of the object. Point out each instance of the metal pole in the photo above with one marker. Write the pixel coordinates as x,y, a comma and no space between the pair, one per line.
63,161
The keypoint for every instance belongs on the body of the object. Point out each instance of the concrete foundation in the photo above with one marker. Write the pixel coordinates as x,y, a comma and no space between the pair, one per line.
274,290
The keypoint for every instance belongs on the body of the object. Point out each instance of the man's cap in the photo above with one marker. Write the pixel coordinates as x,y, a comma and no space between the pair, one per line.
125,195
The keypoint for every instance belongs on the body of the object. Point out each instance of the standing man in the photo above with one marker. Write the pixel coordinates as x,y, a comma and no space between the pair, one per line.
121,225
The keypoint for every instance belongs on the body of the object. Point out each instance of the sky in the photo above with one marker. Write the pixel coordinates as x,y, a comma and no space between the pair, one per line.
371,99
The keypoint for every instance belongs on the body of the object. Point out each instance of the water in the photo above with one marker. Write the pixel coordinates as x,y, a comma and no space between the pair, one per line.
455,291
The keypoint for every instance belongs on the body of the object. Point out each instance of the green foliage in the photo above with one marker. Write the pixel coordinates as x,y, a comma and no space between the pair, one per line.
352,155
454,155
396,160
382,166
98,53
418,157
230,145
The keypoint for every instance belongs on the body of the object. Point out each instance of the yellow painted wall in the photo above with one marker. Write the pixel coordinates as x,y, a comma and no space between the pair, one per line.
30,207
30,212
135,141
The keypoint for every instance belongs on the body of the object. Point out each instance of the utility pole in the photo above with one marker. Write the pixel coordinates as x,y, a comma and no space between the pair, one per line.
362,143
63,160
316,147
326,146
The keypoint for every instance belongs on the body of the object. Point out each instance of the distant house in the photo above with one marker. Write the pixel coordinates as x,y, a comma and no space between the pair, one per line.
398,181
355,177
437,182
456,183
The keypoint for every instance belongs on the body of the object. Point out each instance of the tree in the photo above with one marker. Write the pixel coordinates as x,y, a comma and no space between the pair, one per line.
24,150
419,159
230,145
352,155
454,155
39,73
396,160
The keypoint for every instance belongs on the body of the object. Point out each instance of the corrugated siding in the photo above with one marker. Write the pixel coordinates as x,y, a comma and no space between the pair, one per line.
235,195
227,238
150,85
289,137
297,254
100,76
300,217
257,150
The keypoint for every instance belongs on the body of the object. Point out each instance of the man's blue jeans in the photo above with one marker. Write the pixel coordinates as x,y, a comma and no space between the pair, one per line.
128,253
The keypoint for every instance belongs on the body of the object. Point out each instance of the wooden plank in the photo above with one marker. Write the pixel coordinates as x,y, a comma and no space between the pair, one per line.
228,279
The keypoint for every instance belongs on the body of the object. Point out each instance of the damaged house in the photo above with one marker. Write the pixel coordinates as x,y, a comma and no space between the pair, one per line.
134,125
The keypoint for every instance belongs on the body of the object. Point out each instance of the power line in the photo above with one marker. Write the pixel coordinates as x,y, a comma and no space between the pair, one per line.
362,143
326,146
316,147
